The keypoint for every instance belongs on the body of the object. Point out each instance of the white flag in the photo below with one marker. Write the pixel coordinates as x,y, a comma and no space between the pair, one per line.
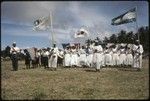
42,23
81,33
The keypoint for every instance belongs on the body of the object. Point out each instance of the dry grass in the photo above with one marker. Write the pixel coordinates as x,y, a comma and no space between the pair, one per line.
70,83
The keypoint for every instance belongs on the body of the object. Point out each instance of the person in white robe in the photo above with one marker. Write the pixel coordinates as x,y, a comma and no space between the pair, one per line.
137,50
122,56
115,56
74,57
97,56
89,56
129,58
108,57
82,59
39,57
54,57
67,57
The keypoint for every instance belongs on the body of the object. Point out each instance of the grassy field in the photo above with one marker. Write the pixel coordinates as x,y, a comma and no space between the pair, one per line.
71,83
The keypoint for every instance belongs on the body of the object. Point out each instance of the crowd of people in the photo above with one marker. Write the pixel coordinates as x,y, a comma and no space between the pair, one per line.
92,55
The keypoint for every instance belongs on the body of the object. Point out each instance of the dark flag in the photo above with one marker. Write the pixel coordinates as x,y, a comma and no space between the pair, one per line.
64,45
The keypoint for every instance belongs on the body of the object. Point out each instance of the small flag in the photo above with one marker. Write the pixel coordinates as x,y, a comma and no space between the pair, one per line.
64,45
42,23
127,17
81,33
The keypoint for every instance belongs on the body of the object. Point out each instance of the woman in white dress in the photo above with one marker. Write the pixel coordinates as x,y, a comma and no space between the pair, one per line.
108,57
129,57
115,57
97,56
89,56
122,56
82,58
74,57
67,57
54,57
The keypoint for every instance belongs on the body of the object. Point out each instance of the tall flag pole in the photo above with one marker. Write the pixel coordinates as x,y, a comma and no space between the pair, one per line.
52,31
137,25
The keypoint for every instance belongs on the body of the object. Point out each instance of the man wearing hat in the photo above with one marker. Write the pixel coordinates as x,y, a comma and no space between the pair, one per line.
137,52
14,56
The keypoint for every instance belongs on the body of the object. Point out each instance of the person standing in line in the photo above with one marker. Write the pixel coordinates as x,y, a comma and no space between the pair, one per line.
129,58
115,57
89,53
67,57
137,51
74,57
54,57
14,51
82,59
27,59
97,56
122,56
108,58
46,57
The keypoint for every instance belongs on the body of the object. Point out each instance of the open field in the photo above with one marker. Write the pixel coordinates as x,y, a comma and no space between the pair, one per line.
71,83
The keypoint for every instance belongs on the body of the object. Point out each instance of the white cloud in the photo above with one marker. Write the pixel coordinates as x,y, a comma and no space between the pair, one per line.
68,16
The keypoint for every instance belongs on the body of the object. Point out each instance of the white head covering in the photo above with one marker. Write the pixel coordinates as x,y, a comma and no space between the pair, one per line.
14,42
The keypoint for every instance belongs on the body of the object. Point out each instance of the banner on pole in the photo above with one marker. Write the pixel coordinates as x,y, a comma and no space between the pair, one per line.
81,33
129,16
41,24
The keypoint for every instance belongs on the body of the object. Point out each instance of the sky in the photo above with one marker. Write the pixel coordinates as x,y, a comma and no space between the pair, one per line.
67,17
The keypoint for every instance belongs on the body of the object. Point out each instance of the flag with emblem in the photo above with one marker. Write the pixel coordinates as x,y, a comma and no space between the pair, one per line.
42,23
129,16
81,33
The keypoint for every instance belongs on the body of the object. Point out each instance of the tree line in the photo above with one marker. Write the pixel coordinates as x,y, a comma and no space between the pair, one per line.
128,37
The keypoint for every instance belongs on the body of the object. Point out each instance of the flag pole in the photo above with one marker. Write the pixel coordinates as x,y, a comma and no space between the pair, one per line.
137,25
52,32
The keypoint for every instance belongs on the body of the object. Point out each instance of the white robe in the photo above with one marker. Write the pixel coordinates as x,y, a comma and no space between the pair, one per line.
137,63
97,57
129,58
74,57
53,59
108,57
89,57
115,57
122,57
82,58
67,58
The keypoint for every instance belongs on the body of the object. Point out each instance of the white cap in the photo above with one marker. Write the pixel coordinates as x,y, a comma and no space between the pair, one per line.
14,42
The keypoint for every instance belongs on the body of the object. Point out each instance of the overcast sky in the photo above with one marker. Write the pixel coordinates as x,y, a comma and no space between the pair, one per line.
17,20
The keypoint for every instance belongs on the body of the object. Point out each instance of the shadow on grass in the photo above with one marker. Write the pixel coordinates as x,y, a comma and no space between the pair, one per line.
90,70
128,69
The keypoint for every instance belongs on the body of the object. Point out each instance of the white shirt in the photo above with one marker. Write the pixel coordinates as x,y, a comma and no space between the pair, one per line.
14,50
138,48
98,48
55,50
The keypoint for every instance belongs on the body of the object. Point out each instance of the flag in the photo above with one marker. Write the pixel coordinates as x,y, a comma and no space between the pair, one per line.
127,17
64,45
42,23
81,33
